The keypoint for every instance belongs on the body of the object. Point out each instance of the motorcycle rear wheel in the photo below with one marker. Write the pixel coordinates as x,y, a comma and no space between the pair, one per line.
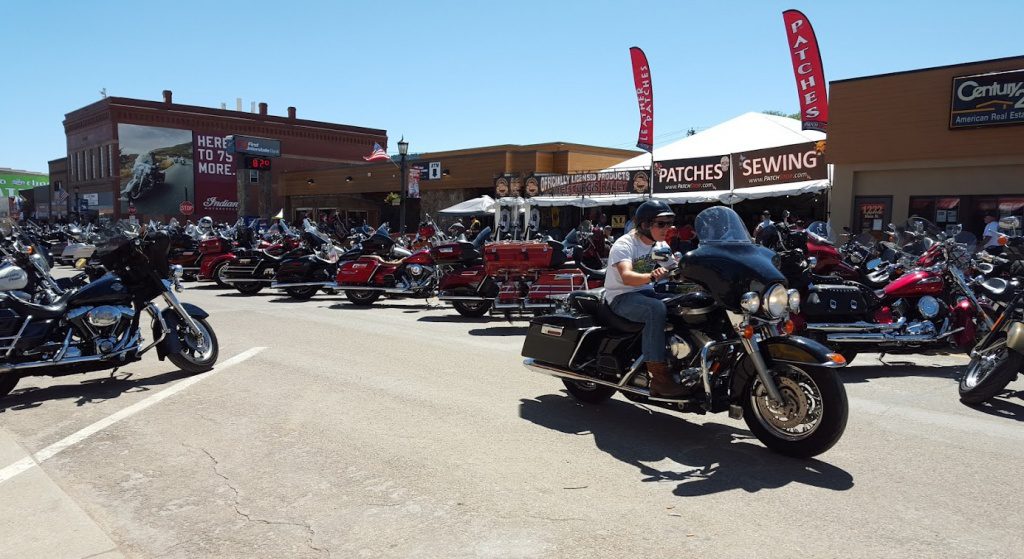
249,289
472,309
362,297
588,392
988,374
812,418
218,275
302,293
193,358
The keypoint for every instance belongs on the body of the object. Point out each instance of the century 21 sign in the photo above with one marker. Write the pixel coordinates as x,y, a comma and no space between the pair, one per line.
987,100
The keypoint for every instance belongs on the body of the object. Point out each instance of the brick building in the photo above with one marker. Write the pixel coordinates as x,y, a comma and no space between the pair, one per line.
175,153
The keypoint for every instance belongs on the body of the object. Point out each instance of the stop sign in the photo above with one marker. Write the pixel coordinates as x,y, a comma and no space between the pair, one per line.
186,208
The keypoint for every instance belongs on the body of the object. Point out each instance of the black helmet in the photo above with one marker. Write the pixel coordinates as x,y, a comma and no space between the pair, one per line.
651,210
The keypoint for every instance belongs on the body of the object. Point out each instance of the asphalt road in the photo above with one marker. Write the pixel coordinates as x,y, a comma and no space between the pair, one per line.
403,431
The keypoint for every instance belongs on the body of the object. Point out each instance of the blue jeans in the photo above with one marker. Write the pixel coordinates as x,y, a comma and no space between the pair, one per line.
645,307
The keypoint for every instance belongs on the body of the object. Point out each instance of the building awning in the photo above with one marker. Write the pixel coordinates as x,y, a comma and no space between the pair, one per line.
576,201
771,191
476,206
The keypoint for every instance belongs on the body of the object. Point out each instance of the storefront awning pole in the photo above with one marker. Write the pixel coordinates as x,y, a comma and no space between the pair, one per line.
650,187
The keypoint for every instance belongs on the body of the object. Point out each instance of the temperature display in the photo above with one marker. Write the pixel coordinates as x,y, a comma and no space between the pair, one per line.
258,163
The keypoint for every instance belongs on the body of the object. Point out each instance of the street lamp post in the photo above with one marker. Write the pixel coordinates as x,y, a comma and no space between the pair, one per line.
403,150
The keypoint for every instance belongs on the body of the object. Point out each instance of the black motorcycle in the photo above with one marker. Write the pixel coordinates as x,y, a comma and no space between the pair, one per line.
302,277
254,267
998,357
97,326
785,387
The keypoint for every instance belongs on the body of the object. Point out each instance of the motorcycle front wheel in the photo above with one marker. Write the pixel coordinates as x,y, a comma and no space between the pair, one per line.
989,372
810,420
195,357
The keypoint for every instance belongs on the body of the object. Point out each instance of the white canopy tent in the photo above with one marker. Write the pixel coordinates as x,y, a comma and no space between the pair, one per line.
749,131
476,206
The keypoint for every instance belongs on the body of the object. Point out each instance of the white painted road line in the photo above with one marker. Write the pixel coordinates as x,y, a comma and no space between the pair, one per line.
49,452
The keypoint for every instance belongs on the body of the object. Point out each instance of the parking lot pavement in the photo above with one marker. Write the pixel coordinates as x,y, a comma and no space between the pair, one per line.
404,430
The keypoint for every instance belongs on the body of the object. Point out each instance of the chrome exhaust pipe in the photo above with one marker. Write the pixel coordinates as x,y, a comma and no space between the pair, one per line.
462,298
328,284
18,367
880,337
557,372
856,326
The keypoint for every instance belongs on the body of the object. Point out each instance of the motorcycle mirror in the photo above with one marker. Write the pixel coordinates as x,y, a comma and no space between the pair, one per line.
661,254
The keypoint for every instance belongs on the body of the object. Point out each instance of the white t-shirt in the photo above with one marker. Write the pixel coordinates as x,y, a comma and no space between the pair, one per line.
629,247
991,230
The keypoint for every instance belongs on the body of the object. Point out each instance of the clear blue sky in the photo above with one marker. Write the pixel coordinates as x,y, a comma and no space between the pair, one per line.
452,75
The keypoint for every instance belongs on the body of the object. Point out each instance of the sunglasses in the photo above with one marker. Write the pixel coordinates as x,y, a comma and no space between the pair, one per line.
662,224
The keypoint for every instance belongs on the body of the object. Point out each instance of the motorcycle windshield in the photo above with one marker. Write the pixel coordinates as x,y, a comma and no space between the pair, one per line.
821,231
721,225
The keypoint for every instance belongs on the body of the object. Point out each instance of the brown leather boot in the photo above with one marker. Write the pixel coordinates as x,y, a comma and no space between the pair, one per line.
662,385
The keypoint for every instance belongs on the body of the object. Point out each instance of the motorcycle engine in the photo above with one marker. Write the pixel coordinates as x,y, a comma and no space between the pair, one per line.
418,274
102,325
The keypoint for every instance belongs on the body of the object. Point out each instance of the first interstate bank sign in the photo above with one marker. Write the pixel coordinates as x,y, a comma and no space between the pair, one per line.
987,99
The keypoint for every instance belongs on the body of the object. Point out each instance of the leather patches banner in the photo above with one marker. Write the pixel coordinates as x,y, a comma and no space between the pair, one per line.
644,98
699,173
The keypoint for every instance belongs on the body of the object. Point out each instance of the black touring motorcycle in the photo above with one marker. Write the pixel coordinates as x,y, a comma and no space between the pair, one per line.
785,387
97,326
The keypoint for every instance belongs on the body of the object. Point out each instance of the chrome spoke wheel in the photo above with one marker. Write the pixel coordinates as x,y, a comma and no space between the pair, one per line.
197,348
982,365
800,412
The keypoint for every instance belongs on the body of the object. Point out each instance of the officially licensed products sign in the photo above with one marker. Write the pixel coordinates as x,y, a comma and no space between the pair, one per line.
987,100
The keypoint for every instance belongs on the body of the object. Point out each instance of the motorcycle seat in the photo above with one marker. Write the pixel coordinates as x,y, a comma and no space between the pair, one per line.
592,273
592,303
44,312
999,288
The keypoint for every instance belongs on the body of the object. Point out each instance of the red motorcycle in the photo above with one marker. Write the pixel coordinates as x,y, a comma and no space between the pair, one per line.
216,253
523,276
368,277
930,309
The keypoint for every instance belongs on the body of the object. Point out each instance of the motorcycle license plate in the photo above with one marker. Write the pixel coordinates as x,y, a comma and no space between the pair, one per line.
244,261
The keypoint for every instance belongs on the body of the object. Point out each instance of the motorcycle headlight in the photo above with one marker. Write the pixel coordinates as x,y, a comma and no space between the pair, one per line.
794,300
750,302
776,301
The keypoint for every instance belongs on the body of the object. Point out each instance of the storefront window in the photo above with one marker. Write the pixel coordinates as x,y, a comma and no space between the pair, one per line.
872,214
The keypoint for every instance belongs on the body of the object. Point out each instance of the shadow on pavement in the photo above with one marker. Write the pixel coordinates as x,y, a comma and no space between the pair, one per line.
380,305
708,459
856,373
87,391
500,331
1003,406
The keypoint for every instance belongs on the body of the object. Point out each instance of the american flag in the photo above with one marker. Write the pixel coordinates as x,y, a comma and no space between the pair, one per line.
378,154
62,197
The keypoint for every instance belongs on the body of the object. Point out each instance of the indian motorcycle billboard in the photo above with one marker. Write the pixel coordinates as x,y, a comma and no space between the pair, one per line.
162,167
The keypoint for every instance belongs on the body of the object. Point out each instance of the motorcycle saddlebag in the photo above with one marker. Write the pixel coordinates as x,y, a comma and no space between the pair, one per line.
834,301
455,253
553,338
520,257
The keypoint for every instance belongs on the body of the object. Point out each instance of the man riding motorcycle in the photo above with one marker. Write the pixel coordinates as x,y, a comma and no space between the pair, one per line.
630,294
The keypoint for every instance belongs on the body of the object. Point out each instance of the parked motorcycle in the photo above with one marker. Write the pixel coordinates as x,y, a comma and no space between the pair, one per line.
97,327
257,260
785,387
929,309
368,277
524,276
999,357
302,277
215,251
